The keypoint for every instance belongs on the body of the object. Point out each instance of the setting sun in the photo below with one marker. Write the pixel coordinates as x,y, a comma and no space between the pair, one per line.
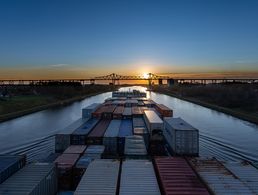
145,75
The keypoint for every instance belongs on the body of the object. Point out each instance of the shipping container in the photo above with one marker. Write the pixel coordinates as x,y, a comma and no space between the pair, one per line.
111,137
9,164
108,112
136,111
138,178
163,110
63,138
138,122
140,103
142,131
135,147
182,138
153,122
80,168
143,108
218,178
127,113
101,177
79,136
65,193
50,158
255,164
65,164
97,133
131,102
148,103
118,112
98,113
33,179
245,172
75,149
119,102
177,177
126,129
87,111
95,151
157,148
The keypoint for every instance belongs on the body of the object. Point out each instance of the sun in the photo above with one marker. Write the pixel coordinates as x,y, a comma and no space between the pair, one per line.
145,75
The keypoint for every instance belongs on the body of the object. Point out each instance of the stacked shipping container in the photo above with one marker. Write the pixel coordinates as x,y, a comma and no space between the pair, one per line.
86,112
97,133
125,130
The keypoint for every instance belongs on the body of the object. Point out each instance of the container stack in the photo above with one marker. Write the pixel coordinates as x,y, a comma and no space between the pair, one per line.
218,178
138,177
97,133
111,137
163,110
35,178
95,151
135,147
10,164
125,130
182,138
63,139
87,111
101,177
177,177
79,136
127,114
65,164
118,112
139,128
153,122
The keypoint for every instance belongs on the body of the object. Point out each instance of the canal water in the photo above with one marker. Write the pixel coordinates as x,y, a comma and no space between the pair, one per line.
221,135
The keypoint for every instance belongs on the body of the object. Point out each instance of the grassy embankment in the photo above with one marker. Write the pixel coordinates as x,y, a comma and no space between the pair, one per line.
31,99
238,100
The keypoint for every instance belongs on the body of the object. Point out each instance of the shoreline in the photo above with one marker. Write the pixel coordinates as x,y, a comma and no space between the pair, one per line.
239,115
13,115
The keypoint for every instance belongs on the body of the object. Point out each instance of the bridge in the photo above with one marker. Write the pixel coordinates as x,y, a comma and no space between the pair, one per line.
115,78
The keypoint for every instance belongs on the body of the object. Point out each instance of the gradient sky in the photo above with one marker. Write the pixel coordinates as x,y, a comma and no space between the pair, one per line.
78,38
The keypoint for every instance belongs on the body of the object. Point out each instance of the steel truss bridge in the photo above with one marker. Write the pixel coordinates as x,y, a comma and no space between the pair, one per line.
115,78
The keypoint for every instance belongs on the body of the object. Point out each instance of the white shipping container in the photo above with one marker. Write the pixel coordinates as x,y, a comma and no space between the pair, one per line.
110,137
153,121
138,178
101,177
33,179
181,137
62,139
86,112
135,147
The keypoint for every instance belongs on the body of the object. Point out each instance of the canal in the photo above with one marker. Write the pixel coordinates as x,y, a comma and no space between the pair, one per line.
221,135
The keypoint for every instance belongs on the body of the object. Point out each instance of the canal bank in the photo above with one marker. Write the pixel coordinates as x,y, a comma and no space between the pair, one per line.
9,116
240,115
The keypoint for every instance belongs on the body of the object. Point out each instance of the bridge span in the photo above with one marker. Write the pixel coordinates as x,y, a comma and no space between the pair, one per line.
115,78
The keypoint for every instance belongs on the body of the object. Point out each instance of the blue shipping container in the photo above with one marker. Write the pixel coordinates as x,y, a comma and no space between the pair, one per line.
78,137
9,164
126,129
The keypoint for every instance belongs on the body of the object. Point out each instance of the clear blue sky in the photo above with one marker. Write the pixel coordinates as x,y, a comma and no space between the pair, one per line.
110,36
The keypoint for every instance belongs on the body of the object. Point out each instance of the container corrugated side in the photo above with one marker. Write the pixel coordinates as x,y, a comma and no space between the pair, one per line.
63,138
135,147
177,177
97,133
138,178
138,122
33,179
108,112
50,158
153,121
218,178
9,164
65,164
118,112
95,151
244,172
164,110
111,136
87,111
182,138
79,136
101,177
126,129
75,149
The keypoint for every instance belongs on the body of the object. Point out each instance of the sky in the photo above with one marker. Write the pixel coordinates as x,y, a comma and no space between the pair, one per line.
85,38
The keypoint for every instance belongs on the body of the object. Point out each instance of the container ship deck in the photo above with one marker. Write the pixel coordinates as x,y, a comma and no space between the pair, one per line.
127,145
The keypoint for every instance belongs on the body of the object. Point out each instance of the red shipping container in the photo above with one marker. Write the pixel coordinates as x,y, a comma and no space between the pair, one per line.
75,149
118,112
177,177
65,164
164,110
98,113
108,112
96,135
